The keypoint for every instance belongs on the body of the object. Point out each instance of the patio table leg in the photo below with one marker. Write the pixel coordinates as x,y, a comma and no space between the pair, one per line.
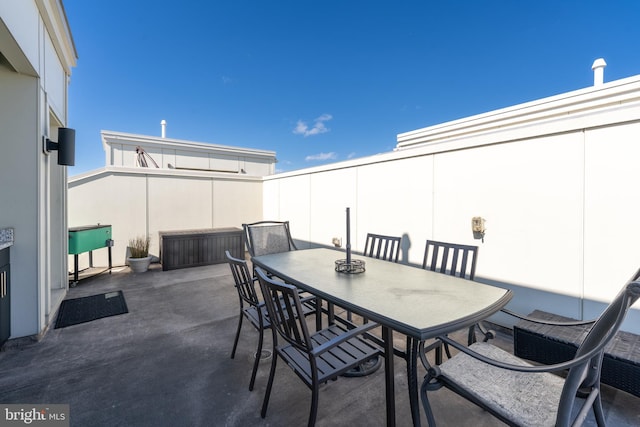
387,336
412,378
331,313
318,314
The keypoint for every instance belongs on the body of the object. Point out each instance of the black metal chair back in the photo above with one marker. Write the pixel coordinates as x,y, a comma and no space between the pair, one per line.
382,247
450,258
456,260
287,316
586,375
315,358
244,281
254,311
268,237
386,248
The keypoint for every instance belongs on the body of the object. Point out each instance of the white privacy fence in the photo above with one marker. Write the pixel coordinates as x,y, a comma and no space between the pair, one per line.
554,179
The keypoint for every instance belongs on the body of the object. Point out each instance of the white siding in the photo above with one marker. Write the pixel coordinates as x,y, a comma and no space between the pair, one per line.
33,192
120,149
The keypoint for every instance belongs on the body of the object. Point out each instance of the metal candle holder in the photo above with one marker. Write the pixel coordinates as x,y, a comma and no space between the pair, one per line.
353,267
348,265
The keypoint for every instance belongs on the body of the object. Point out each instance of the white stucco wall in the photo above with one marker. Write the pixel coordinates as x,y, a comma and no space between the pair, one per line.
139,201
610,206
554,180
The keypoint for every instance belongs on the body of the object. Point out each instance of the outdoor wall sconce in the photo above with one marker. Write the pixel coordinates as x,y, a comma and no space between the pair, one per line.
478,227
66,146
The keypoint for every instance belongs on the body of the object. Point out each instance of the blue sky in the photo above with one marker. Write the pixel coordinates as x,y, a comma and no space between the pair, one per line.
325,81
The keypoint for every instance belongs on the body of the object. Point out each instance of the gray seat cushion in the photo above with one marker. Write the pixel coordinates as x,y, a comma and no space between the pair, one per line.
530,399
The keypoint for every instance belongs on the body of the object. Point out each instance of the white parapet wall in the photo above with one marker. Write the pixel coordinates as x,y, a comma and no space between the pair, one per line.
121,150
555,180
143,201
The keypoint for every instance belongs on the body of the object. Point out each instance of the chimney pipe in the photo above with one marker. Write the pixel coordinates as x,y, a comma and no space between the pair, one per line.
598,71
163,123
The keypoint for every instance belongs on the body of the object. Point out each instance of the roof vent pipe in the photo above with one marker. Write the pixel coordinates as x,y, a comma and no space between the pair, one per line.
598,71
163,123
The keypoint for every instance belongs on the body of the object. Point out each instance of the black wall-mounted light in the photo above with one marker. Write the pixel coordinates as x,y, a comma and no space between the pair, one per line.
66,146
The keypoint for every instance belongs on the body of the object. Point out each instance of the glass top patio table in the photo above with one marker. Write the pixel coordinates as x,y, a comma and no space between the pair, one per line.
418,303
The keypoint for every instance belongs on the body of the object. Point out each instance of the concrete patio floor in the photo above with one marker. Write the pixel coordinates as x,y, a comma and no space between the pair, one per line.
166,363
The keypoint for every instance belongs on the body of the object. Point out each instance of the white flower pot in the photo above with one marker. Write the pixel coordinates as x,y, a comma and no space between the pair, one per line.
139,265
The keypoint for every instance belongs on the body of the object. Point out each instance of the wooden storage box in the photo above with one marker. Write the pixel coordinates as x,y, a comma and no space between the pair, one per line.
192,248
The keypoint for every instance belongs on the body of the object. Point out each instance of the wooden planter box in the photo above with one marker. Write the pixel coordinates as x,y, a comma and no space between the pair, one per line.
192,248
554,344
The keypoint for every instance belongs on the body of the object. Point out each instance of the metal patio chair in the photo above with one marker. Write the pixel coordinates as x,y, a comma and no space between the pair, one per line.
252,308
268,237
455,260
521,394
450,258
379,246
315,358
382,247
386,248
272,237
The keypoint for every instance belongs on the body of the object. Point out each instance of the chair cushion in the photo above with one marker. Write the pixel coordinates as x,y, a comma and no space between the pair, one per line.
529,399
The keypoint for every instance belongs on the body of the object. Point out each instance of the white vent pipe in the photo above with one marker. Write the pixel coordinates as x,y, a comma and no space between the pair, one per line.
163,123
598,71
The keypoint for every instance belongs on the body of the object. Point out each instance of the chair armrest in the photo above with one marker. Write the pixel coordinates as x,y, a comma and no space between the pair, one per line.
520,368
548,322
324,347
311,298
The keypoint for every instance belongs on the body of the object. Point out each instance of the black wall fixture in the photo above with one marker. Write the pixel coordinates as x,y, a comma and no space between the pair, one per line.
66,146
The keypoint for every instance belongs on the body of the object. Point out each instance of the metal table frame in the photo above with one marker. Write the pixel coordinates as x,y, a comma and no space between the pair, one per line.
417,303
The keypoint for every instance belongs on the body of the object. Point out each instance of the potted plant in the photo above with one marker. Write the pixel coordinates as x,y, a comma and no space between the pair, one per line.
139,258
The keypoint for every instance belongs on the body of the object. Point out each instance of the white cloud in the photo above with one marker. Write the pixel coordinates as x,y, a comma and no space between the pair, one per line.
302,128
351,155
321,156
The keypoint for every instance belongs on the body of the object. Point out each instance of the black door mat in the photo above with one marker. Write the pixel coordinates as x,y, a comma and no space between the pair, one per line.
86,309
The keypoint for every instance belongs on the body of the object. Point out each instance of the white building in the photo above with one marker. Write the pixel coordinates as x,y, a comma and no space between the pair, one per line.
121,151
184,185
36,57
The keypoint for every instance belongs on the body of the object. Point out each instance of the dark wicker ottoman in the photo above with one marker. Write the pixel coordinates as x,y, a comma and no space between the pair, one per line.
553,344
